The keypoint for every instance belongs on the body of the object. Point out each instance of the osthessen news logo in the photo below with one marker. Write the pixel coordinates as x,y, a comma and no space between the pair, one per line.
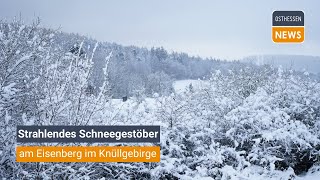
288,26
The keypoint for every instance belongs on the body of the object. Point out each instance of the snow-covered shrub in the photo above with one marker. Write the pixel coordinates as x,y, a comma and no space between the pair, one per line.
22,48
275,126
62,88
267,117
237,84
44,86
189,153
173,110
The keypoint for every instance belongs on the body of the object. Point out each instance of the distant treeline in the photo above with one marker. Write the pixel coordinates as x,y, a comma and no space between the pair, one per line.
134,70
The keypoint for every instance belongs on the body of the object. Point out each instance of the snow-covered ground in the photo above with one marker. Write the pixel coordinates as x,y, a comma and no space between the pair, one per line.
181,85
145,112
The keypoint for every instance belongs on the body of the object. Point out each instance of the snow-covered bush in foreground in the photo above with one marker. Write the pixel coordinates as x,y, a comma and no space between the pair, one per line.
64,94
277,126
274,127
21,49
41,85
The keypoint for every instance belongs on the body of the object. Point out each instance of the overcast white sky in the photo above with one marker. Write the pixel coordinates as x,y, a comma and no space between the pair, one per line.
223,29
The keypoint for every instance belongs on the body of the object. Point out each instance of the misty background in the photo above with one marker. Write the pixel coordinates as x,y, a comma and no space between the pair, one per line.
219,29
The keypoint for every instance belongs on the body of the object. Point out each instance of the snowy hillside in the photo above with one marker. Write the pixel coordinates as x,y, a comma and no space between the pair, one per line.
296,62
183,85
